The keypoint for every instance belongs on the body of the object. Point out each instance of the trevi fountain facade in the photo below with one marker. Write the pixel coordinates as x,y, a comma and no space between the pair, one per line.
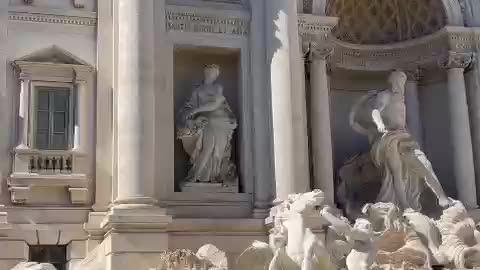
239,134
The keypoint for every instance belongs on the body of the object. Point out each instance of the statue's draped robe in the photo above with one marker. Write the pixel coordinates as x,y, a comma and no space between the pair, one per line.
207,139
390,144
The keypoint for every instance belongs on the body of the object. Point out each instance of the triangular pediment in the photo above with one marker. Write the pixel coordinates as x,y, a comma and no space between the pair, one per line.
55,55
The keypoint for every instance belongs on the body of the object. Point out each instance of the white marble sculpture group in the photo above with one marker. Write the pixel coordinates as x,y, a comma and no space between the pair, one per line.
394,227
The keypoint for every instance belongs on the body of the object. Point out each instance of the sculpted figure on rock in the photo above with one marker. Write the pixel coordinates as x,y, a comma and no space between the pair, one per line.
205,127
403,167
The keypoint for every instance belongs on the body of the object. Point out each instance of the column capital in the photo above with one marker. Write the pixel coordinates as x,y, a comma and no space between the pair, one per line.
414,74
24,77
321,52
456,60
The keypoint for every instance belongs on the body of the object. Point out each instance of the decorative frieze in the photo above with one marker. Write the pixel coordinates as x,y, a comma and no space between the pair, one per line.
51,18
181,20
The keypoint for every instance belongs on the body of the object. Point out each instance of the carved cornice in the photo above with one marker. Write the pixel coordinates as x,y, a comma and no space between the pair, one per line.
456,60
179,19
50,18
422,52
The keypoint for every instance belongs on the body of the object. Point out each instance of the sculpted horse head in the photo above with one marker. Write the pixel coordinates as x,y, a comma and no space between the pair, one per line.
305,203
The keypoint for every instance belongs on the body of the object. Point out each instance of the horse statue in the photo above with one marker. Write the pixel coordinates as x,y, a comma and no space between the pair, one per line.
294,246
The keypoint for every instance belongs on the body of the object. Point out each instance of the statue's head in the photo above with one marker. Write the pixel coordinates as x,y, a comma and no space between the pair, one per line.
211,73
397,79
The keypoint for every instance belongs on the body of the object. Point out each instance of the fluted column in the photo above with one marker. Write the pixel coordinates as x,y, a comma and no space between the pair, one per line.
463,168
320,123
414,122
135,97
23,113
289,123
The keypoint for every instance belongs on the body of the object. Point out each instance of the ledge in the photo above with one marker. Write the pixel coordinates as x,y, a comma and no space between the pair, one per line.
71,180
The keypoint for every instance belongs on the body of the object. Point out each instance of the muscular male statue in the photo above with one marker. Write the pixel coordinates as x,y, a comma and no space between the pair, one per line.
381,115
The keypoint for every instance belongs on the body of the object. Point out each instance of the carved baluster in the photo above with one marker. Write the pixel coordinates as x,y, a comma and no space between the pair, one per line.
54,164
69,164
39,163
46,163
31,165
61,161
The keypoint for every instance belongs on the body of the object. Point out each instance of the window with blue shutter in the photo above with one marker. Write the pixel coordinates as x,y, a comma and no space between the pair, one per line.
52,121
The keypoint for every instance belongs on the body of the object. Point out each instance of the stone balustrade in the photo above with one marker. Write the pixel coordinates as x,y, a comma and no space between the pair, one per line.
51,164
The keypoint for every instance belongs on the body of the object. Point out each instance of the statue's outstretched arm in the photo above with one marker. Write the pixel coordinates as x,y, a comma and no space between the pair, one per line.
210,106
381,101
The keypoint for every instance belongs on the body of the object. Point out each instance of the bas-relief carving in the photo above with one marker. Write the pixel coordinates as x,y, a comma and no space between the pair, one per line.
205,126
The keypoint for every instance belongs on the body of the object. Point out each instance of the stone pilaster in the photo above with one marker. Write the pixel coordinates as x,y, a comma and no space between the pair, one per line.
463,168
23,113
81,132
322,153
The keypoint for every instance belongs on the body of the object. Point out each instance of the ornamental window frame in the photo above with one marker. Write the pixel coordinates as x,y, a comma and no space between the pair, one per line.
52,67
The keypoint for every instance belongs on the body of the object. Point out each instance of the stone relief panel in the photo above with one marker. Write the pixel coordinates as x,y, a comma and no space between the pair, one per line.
206,105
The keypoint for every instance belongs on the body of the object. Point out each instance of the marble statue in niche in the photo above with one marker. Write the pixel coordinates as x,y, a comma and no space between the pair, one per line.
205,126
404,169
